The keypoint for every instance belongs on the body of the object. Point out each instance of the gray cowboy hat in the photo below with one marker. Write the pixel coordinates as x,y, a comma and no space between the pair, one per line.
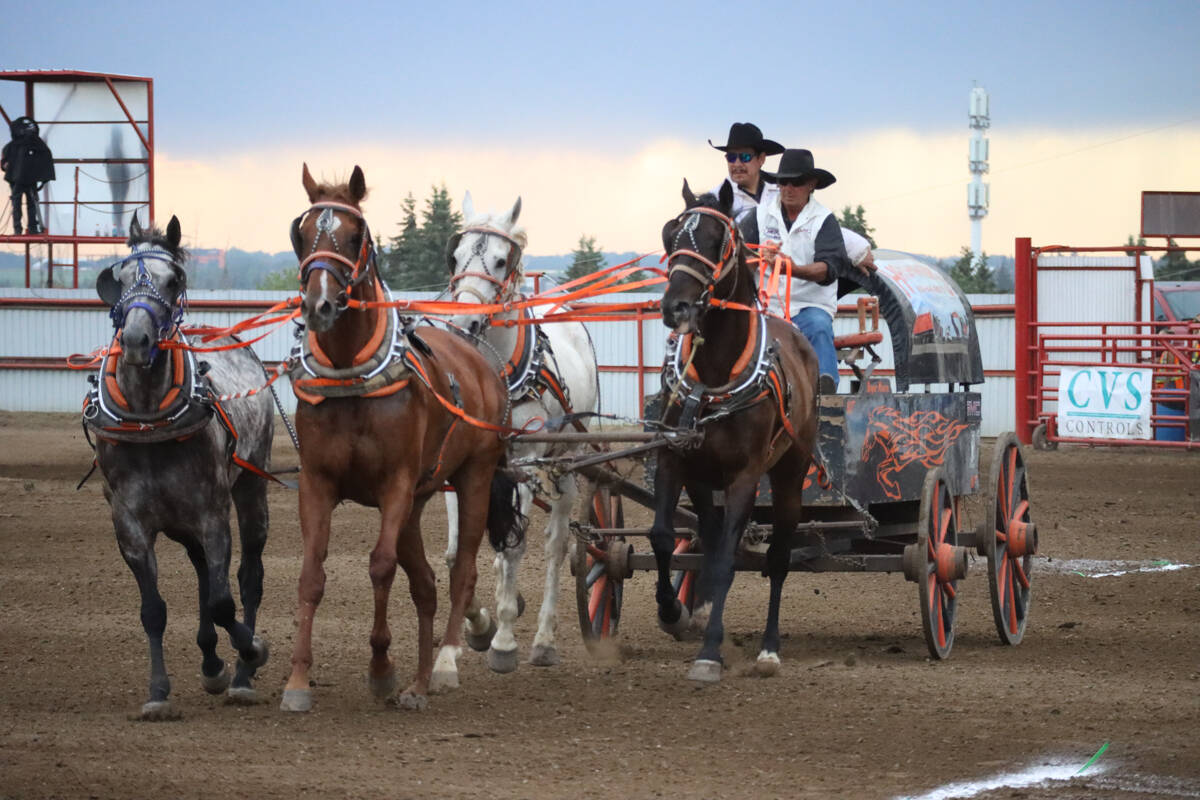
799,164
747,134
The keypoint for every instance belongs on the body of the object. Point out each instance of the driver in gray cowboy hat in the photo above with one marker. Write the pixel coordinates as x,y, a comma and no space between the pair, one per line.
745,151
808,233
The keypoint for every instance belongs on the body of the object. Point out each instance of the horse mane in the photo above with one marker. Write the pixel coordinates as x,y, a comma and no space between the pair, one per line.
339,193
155,237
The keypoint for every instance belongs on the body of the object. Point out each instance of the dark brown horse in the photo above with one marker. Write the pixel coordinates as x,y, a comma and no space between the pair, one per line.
748,381
377,425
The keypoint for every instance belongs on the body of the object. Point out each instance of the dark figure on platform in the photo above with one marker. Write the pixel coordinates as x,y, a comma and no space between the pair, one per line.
28,166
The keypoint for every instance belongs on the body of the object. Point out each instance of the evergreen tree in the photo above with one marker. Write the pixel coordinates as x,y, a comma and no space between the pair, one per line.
972,275
417,256
1174,266
1141,242
586,258
396,260
856,221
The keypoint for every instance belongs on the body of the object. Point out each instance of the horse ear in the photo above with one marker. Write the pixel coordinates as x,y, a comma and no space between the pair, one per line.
725,196
516,212
689,199
135,228
468,207
108,287
310,186
174,234
358,184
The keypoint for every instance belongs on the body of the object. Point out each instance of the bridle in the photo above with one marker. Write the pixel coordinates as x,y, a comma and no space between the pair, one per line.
511,270
325,260
164,314
716,269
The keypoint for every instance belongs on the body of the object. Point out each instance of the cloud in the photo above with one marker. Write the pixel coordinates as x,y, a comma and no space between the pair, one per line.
1052,185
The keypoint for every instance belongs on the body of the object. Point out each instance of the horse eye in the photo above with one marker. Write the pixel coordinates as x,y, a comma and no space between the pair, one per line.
500,263
172,283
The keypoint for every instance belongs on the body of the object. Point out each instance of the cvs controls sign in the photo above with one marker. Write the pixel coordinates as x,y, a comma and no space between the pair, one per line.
1104,402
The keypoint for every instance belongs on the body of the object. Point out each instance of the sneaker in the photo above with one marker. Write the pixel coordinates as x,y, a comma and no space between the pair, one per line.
827,385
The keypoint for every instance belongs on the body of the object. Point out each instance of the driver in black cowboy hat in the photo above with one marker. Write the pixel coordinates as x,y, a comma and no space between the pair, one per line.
809,234
745,151
27,165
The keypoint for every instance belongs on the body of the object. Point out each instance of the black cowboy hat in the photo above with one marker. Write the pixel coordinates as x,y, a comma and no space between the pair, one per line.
799,164
747,134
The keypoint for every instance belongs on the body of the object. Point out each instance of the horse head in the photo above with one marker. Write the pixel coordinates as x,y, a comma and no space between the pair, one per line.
334,247
146,290
703,252
484,260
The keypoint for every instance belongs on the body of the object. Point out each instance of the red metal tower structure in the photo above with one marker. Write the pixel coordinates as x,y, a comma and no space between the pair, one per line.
75,111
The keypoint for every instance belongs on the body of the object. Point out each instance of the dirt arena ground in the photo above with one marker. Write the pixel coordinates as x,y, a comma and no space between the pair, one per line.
858,711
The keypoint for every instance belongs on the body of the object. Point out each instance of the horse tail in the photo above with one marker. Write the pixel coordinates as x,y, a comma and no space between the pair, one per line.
505,523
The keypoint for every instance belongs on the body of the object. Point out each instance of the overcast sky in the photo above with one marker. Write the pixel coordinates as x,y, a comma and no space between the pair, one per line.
595,115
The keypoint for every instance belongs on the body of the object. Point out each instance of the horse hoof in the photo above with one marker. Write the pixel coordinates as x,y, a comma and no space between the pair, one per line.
412,702
296,700
543,656
158,711
242,696
520,604
502,661
705,671
262,651
216,684
482,641
443,680
679,627
384,686
767,665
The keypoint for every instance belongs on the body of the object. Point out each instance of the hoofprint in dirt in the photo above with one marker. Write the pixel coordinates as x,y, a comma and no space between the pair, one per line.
858,712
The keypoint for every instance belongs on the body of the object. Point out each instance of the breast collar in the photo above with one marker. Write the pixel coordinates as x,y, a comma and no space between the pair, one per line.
754,376
381,368
527,372
184,409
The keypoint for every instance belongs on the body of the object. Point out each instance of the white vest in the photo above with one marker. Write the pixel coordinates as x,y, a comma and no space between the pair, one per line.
799,244
743,201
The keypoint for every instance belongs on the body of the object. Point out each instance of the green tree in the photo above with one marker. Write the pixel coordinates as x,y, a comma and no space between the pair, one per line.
972,275
856,220
1141,242
283,280
401,251
1174,266
586,258
416,258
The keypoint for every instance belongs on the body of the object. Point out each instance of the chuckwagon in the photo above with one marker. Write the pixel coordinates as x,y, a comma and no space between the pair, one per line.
884,494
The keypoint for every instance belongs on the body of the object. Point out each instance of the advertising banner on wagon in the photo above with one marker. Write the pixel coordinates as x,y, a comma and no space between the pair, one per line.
1104,402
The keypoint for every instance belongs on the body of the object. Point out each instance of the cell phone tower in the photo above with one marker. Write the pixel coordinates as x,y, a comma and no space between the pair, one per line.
977,190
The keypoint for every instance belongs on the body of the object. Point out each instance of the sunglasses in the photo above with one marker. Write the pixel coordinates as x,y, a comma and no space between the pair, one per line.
792,181
745,158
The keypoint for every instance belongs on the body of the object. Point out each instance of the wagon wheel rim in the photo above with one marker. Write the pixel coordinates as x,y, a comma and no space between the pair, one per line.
937,529
1009,563
599,596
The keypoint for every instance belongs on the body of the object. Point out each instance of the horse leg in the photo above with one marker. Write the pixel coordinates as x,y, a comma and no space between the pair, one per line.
250,500
502,654
668,483
422,586
787,489
480,625
216,541
739,501
137,548
316,507
397,511
213,673
544,653
710,521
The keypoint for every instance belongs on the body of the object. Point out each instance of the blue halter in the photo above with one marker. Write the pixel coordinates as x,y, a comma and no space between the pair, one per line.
143,289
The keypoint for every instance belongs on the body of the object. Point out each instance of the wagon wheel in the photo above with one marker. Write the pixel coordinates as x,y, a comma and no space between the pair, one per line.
1009,539
1040,439
597,593
936,563
683,581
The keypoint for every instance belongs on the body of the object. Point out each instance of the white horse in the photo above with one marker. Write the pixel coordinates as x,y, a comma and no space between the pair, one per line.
485,267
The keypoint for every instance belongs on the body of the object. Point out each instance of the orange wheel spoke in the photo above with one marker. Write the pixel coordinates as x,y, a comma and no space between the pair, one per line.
1022,510
1019,571
1001,535
941,624
597,595
931,582
949,589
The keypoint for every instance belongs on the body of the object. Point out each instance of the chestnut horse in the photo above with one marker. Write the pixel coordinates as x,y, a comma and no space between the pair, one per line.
388,415
748,381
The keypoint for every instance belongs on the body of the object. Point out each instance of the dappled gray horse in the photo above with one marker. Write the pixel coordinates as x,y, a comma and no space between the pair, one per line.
172,457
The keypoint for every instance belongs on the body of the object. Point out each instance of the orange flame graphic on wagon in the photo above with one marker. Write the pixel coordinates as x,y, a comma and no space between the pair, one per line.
922,436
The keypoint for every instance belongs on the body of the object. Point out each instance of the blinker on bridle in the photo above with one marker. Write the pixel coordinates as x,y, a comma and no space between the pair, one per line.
143,289
327,225
691,218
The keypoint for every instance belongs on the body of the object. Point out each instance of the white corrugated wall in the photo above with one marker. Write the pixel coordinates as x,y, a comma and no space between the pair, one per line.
57,333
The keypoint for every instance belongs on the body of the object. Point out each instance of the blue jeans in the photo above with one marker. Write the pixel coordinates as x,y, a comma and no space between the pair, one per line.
817,327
